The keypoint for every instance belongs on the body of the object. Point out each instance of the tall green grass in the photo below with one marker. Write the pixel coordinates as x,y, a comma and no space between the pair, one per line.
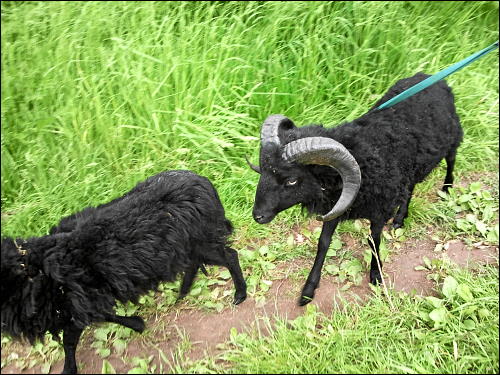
97,96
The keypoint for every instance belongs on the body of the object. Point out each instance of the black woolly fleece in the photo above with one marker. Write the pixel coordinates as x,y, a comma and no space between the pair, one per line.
119,250
395,148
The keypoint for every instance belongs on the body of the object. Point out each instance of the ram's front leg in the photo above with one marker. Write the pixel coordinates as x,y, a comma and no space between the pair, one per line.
313,279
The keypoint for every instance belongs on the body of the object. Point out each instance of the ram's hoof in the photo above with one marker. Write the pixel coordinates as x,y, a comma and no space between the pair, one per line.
307,294
375,277
66,371
446,187
304,300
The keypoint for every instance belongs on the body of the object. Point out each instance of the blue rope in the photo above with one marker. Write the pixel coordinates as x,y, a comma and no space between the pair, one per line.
437,77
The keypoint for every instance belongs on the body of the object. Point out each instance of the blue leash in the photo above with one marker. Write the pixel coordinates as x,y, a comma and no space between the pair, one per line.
437,77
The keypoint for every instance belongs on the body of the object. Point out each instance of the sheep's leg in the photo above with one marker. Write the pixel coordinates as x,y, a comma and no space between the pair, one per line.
71,336
313,279
229,259
187,280
450,164
402,213
375,273
133,322
233,265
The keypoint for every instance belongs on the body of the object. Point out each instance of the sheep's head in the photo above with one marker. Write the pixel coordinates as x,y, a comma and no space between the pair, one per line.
27,304
285,180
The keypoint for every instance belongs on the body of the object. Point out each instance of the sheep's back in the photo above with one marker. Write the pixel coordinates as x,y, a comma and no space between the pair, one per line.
148,236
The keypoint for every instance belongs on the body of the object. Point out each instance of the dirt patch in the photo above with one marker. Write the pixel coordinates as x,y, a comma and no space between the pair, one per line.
489,180
206,331
401,270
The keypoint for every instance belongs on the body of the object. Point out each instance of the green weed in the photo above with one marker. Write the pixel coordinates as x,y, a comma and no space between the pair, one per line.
471,212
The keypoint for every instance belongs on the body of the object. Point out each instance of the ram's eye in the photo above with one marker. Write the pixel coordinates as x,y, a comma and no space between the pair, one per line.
291,182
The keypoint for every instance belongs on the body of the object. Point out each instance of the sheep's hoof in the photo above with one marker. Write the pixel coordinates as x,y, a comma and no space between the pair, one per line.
181,297
397,224
375,277
137,324
239,298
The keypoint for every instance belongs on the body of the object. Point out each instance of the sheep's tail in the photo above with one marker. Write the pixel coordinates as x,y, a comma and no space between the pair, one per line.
229,226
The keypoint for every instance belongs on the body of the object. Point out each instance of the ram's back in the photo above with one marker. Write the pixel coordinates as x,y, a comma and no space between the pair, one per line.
413,135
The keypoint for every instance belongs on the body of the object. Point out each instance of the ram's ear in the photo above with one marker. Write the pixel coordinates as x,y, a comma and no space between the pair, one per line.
254,167
273,127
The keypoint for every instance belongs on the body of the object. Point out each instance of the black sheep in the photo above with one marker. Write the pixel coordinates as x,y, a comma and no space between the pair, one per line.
171,223
366,168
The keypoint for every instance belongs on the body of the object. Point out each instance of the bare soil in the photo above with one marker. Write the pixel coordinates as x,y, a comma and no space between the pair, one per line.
206,332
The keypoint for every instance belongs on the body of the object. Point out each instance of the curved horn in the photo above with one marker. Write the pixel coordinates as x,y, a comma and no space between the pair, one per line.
326,151
256,168
271,126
